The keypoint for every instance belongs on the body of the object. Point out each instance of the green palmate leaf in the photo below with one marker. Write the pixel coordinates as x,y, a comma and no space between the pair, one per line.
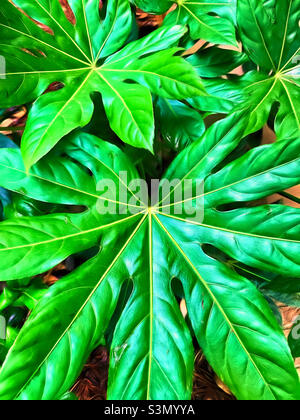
289,299
4,200
271,36
24,296
283,285
268,281
207,19
69,396
11,334
147,248
275,287
85,57
12,318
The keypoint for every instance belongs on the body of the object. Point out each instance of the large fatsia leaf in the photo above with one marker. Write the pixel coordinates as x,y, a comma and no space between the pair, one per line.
234,326
271,36
82,57
151,351
224,95
284,17
207,19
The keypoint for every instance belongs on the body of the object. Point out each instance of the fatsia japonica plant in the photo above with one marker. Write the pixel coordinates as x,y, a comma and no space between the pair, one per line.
144,167
270,37
149,247
87,57
209,20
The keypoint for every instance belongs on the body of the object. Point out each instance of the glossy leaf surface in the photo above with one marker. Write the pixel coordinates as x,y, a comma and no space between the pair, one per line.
269,89
271,36
88,56
206,19
153,6
150,247
179,124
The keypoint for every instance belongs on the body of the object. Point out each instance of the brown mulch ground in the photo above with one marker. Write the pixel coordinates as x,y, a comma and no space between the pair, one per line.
92,383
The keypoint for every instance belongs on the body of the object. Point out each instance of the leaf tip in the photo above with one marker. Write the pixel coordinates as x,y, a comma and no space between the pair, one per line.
28,163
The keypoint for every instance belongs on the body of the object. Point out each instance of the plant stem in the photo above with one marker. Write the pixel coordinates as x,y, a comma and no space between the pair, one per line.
11,129
289,196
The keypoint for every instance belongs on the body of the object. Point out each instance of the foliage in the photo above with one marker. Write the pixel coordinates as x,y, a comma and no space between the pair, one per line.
85,58
207,20
222,248
270,37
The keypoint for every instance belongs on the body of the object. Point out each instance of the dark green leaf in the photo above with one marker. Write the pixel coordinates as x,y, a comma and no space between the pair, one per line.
179,124
215,61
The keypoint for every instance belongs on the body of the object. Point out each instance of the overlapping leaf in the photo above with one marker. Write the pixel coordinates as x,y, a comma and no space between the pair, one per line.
207,19
179,124
84,57
271,36
224,93
153,6
150,247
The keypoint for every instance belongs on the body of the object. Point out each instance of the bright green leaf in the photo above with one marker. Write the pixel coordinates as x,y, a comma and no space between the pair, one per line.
207,19
150,247
85,58
271,36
